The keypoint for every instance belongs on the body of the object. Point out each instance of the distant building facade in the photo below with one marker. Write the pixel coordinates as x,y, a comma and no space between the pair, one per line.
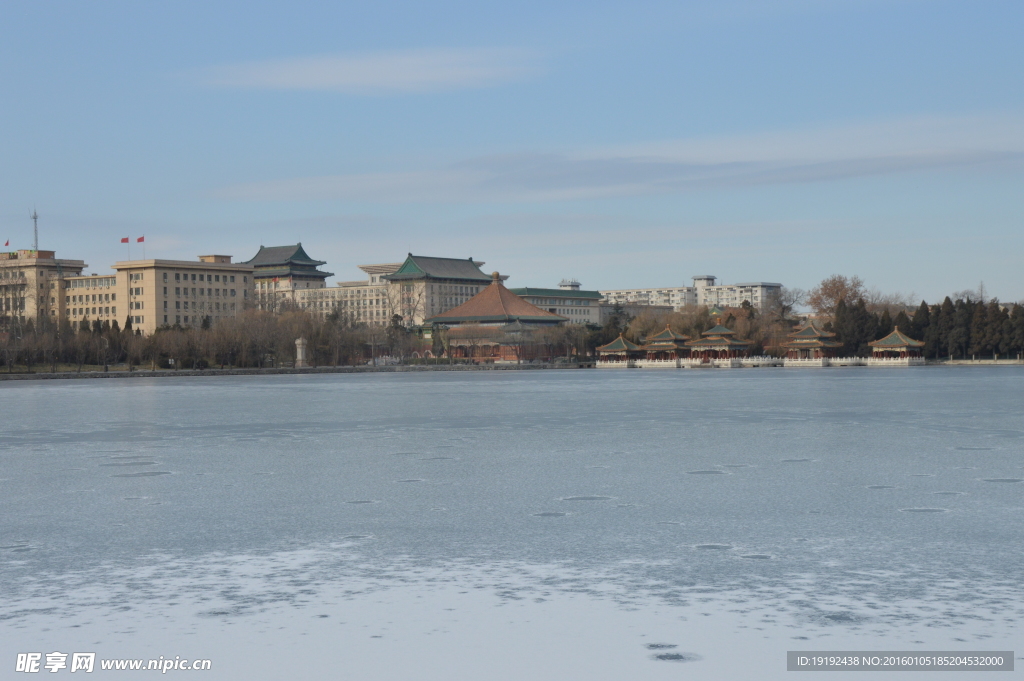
703,292
88,298
568,300
157,293
417,288
280,272
32,284
366,301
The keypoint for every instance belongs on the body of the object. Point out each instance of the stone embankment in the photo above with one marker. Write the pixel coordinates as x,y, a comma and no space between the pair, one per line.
170,373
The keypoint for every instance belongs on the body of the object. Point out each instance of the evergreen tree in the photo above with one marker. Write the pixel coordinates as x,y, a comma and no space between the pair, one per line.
979,330
854,327
959,338
902,322
944,327
920,323
931,333
884,325
995,315
1017,329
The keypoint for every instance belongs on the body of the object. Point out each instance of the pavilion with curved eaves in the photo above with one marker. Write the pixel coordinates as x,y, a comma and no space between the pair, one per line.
810,342
620,352
666,345
896,348
718,343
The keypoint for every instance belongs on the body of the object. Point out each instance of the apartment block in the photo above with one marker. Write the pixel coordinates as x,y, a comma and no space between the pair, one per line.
703,292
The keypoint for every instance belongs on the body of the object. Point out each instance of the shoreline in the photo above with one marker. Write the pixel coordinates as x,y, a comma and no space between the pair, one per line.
252,371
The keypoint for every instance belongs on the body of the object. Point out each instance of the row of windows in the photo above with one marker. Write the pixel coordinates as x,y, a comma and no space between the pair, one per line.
180,290
12,274
557,301
95,298
76,311
178,276
91,282
178,305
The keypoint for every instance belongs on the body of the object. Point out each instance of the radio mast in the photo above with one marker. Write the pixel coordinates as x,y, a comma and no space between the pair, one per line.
35,230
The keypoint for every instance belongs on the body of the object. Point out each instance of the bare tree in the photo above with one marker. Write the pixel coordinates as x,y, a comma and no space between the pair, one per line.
824,298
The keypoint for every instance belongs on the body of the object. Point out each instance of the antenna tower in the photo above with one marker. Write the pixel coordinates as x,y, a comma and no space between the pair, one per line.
35,230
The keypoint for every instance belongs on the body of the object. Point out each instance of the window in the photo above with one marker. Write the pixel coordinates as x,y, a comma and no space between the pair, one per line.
177,304
165,278
165,304
177,276
193,277
200,277
113,310
216,277
233,278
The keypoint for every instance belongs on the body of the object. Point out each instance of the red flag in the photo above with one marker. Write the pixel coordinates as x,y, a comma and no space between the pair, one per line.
141,239
124,240
8,243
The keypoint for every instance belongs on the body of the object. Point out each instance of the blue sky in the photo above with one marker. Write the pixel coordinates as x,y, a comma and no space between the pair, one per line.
624,144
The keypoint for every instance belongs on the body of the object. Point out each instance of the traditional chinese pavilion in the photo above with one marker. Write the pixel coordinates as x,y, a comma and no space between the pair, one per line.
495,325
666,345
619,350
896,346
718,343
495,305
810,342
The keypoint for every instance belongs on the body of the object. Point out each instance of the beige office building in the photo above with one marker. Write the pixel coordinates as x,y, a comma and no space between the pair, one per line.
415,289
90,298
32,284
155,293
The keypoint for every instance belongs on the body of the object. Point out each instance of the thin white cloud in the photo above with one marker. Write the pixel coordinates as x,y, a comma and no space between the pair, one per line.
818,155
379,73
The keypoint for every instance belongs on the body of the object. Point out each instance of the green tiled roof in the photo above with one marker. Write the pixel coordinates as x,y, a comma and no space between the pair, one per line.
423,267
556,293
719,331
896,339
717,341
810,331
667,335
620,344
286,261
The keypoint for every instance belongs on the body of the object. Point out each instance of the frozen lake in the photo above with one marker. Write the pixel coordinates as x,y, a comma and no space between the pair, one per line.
510,525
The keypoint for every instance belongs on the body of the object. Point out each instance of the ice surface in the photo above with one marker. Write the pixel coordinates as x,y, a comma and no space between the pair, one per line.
513,525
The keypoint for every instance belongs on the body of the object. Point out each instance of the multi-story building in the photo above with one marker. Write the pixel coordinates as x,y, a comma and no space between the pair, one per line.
281,272
418,288
425,287
90,298
703,292
155,293
32,284
568,300
365,301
